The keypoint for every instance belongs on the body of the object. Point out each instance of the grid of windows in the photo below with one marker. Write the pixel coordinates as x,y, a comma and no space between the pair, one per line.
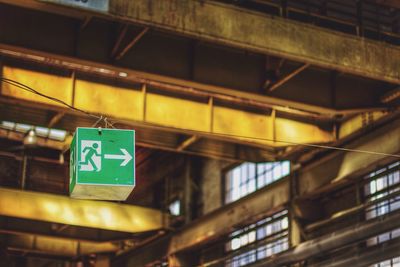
382,189
260,240
248,177
395,262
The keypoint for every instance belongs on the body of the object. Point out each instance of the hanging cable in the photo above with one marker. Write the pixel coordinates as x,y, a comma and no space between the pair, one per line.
29,89
284,142
97,122
112,123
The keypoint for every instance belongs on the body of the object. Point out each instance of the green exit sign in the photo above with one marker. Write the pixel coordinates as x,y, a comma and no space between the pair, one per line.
102,164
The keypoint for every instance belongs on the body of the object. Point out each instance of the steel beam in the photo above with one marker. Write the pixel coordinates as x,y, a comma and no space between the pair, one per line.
56,118
175,85
341,166
187,143
224,220
219,23
287,77
118,42
144,255
57,246
64,210
335,240
150,136
329,172
180,114
132,43
368,257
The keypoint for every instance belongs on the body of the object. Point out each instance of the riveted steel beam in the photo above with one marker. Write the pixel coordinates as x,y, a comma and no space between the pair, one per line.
175,85
94,214
175,113
219,23
150,136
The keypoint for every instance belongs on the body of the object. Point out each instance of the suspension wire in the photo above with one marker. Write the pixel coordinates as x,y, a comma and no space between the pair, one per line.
284,142
29,89
97,122
113,122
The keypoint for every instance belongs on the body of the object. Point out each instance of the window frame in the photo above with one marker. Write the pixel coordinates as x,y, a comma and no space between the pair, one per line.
282,236
381,198
229,168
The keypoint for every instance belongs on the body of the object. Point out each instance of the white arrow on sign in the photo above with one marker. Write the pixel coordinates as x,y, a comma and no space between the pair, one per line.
125,156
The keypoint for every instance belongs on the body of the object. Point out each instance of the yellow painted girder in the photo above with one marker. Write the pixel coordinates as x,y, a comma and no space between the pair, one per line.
135,104
85,213
359,121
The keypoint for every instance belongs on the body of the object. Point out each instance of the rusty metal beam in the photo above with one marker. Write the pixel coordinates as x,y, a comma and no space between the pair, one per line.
64,210
273,67
288,77
57,246
121,36
132,43
56,118
187,142
218,23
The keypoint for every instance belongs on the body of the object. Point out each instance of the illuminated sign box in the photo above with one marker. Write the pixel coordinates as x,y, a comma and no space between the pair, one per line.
102,164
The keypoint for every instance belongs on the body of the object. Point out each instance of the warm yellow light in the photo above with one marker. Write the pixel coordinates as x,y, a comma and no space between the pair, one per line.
86,213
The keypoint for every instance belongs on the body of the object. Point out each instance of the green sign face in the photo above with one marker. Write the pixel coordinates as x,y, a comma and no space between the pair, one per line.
102,163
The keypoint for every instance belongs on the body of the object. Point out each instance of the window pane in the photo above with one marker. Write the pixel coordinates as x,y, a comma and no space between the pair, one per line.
271,235
381,184
248,177
395,262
